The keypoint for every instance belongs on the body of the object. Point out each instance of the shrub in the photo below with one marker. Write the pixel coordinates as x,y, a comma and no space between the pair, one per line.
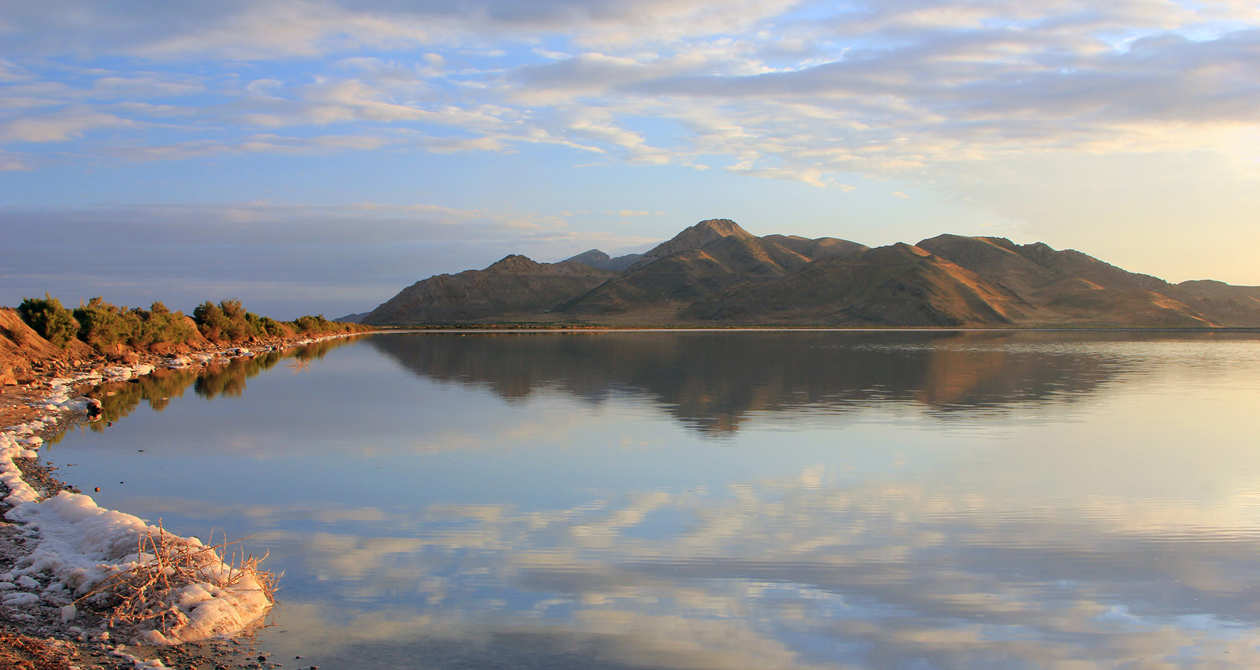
318,325
103,325
225,322
160,325
47,317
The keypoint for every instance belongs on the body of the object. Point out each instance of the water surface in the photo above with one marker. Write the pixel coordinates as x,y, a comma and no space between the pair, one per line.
723,500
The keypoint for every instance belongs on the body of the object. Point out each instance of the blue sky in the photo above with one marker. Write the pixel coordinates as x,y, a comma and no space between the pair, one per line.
317,156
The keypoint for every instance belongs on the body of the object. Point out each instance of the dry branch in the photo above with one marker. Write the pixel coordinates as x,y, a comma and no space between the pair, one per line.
166,564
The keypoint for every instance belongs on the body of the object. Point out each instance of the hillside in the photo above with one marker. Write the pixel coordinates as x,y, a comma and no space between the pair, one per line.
21,348
514,285
899,285
717,273
1068,286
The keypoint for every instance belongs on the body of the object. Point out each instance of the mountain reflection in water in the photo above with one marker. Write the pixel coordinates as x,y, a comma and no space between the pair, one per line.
713,381
875,500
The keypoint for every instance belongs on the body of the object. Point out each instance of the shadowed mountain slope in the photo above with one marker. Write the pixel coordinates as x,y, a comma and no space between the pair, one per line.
1068,286
1222,303
602,261
717,273
514,285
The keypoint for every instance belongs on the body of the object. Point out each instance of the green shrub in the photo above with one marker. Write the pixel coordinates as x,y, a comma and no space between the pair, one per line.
160,325
225,322
103,325
47,317
318,325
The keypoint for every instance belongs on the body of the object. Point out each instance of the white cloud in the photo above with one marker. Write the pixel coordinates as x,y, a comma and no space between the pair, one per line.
145,85
904,87
58,126
12,163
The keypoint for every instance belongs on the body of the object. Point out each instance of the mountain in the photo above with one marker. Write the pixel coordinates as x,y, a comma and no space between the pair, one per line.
1068,286
1220,302
513,286
695,264
602,261
898,285
717,273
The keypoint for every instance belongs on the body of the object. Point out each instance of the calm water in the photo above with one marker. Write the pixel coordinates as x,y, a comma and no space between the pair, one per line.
723,500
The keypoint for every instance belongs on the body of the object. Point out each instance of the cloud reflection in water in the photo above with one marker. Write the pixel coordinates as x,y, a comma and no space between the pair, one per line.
875,500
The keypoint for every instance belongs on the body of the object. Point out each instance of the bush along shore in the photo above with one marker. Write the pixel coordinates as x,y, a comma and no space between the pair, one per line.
83,586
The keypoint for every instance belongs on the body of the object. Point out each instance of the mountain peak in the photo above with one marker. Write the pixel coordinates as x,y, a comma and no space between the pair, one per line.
699,235
514,263
721,227
592,257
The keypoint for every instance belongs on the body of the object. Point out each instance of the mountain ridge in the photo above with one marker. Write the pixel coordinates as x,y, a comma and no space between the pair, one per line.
716,273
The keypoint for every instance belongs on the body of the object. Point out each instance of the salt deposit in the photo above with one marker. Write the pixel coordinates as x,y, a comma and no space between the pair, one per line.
77,544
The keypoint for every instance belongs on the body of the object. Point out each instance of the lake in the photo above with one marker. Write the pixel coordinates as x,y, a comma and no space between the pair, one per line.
715,500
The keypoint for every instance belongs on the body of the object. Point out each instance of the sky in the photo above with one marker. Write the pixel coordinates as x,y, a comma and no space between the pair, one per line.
316,156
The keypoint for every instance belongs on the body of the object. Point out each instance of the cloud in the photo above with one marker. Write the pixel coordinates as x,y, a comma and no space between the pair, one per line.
767,89
899,573
936,94
12,163
271,28
145,85
58,127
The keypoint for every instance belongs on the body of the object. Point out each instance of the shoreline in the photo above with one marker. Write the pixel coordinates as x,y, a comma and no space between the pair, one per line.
56,544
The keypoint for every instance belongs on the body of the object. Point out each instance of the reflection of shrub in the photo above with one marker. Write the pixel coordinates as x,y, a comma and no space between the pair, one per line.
315,350
229,379
47,317
118,399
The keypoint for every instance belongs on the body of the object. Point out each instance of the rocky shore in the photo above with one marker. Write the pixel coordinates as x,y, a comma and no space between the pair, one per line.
57,545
